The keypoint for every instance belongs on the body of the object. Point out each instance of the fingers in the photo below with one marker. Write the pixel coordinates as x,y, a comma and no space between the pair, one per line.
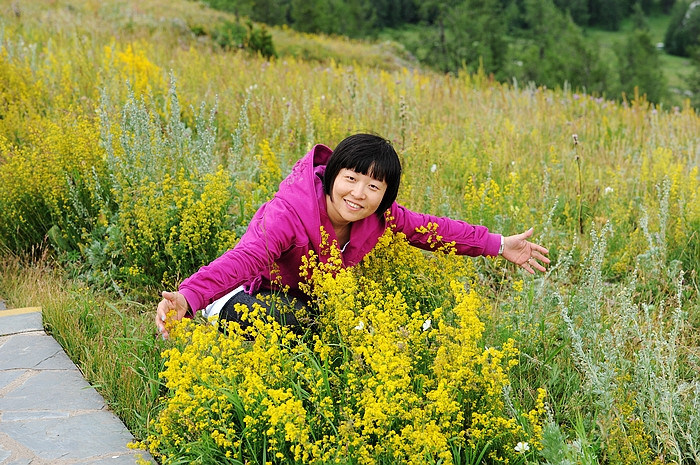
538,248
164,307
173,306
527,233
535,265
537,259
160,323
171,296
537,255
530,256
531,264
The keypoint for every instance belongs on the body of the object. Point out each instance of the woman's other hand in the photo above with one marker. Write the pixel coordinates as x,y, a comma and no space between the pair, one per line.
172,301
519,250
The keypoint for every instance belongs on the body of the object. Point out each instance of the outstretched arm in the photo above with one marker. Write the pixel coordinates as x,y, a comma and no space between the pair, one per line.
519,250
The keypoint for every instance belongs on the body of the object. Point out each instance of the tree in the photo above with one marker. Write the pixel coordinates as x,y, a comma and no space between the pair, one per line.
478,36
667,5
395,13
310,16
260,41
608,14
237,7
435,13
639,63
471,33
272,12
352,18
578,9
683,31
647,6
553,51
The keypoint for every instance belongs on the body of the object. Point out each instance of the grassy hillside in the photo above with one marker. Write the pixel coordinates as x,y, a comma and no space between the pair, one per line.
133,151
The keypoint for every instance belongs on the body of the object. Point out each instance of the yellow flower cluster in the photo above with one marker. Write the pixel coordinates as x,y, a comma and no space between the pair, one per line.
55,179
24,97
231,396
132,65
270,172
384,376
171,226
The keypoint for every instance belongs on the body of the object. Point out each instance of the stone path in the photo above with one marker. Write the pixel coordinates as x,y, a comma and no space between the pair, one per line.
49,414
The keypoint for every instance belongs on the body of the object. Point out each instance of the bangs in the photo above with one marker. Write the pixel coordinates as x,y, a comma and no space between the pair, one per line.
372,169
378,161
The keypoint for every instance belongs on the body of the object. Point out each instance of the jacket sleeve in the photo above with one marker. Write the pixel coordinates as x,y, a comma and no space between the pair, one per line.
472,240
269,234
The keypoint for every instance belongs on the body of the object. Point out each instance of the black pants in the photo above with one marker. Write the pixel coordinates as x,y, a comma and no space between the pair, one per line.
288,318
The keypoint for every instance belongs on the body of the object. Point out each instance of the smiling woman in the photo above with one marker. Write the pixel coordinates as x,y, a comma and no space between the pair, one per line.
347,196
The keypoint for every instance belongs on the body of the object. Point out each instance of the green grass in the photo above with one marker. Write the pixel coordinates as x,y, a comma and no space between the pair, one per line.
111,340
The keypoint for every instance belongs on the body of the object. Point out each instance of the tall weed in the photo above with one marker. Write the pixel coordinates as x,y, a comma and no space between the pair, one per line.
170,202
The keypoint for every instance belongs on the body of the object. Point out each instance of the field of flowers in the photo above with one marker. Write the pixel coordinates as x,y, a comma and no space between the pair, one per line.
133,151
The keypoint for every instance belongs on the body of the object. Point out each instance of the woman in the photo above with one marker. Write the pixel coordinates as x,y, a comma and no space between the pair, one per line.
346,193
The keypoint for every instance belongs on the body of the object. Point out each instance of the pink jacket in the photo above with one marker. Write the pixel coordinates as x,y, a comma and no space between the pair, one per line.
287,227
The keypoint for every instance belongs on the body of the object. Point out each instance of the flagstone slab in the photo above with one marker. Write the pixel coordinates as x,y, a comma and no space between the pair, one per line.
35,351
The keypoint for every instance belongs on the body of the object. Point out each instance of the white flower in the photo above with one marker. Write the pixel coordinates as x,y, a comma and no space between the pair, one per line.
522,447
428,323
433,168
360,326
608,190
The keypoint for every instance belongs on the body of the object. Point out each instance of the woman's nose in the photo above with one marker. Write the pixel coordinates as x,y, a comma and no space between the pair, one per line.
358,191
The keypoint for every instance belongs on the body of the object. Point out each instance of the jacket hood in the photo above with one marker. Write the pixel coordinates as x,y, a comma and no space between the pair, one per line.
306,177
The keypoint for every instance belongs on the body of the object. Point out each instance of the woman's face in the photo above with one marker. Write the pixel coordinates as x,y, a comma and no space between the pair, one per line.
354,196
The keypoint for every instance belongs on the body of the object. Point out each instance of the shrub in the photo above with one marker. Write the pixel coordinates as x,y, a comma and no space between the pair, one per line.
231,35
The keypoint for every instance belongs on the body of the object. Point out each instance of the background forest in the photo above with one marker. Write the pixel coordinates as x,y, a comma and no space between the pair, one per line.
548,42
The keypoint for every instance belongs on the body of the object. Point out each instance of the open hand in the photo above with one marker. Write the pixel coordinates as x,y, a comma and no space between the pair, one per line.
530,256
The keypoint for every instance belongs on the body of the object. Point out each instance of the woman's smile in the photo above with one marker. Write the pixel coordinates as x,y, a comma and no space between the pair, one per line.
353,205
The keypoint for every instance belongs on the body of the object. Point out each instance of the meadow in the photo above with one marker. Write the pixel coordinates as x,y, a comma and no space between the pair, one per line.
133,151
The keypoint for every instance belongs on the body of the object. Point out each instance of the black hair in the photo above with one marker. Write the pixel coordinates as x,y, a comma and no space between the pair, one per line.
370,155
